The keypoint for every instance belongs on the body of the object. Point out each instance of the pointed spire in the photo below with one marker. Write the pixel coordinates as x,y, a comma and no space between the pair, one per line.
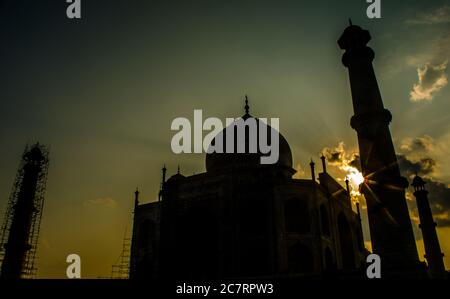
136,198
324,163
313,172
163,182
350,21
247,108
178,171
164,170
347,184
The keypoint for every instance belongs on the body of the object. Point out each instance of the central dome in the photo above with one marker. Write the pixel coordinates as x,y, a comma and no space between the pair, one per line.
225,161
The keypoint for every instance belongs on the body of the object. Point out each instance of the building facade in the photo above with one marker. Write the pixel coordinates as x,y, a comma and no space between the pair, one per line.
244,219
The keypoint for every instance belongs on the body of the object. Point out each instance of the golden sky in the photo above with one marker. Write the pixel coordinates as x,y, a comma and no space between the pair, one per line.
103,91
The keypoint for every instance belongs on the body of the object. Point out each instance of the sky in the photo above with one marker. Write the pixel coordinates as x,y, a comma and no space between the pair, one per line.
102,92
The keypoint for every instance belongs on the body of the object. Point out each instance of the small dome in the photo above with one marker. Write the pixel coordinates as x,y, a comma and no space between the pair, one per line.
224,161
353,37
176,177
418,181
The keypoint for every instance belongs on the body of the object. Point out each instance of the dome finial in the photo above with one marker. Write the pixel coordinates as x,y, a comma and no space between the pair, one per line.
418,183
136,198
247,108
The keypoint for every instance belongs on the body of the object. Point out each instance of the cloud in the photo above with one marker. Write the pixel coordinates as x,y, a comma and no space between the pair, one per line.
439,198
432,78
430,55
439,15
417,156
424,166
422,147
339,156
438,192
422,144
432,49
411,53
347,162
104,202
300,172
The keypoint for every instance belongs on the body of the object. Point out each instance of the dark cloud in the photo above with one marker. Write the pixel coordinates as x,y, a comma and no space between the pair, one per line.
424,166
416,157
334,157
439,197
422,144
339,156
355,161
438,192
428,165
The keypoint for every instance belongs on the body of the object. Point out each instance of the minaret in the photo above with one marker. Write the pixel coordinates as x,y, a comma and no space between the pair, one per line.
324,163
347,185
384,187
19,236
433,252
133,238
313,172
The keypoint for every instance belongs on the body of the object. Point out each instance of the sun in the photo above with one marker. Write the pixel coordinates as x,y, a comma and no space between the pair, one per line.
355,178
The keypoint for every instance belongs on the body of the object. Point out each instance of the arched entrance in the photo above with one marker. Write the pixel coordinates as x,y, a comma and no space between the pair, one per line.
300,259
329,262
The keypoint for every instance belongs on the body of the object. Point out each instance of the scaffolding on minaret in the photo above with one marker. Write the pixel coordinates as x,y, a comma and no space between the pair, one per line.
121,269
21,224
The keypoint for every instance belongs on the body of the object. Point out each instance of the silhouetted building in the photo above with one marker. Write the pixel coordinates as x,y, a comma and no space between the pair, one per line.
384,188
242,218
433,252
20,230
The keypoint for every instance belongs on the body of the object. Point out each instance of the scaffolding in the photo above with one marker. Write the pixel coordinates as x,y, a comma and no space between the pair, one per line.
121,269
21,224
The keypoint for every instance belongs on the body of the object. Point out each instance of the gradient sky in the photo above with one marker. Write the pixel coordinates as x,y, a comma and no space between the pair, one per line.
102,92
